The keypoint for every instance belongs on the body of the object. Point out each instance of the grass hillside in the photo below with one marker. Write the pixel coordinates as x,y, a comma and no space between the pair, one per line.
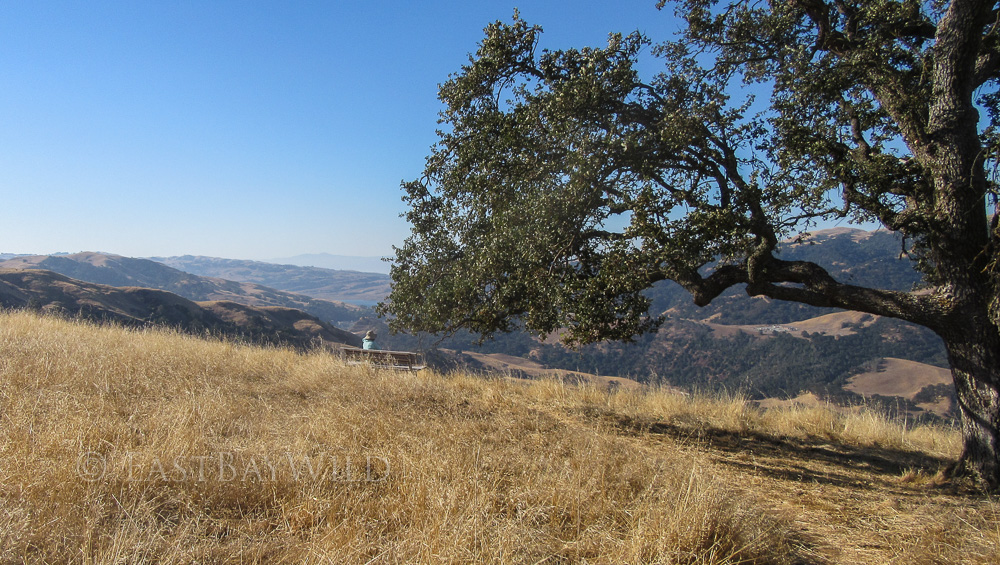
140,446
51,292
118,271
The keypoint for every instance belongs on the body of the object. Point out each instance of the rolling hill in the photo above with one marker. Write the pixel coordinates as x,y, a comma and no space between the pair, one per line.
139,307
118,271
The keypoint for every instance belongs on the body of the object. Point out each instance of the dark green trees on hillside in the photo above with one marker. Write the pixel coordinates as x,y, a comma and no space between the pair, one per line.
564,183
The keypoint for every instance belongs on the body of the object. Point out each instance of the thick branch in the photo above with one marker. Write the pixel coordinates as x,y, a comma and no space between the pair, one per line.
988,63
827,38
705,289
815,287
820,289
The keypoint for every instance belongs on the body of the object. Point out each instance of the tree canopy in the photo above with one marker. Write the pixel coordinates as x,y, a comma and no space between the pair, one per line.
564,183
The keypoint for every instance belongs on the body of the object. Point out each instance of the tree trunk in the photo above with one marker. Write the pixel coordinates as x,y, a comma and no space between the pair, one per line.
975,368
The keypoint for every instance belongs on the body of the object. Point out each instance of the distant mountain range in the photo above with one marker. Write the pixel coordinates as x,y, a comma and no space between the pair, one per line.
132,306
118,271
327,284
336,262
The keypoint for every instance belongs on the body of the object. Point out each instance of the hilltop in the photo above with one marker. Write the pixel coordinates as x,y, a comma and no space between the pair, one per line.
336,262
132,446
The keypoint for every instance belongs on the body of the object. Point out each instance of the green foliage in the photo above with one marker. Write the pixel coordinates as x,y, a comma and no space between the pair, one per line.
934,393
564,184
542,154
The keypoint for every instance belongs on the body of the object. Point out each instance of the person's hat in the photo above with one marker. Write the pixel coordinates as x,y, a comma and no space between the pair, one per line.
370,334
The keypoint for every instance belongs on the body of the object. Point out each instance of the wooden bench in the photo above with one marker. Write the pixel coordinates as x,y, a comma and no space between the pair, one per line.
382,358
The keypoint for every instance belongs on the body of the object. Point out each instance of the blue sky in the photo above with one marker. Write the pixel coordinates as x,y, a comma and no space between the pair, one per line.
240,129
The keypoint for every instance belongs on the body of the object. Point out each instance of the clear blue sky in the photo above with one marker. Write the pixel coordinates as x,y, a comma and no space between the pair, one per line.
239,129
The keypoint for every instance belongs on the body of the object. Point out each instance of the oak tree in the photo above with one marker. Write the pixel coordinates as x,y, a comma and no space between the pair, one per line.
565,182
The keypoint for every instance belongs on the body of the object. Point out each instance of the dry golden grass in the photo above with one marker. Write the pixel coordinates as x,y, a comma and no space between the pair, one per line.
125,446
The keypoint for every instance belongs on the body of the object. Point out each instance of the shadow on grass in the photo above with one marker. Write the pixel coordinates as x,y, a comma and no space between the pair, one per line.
812,459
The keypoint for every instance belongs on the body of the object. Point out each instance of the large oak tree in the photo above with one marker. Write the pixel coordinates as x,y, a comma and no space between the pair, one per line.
565,183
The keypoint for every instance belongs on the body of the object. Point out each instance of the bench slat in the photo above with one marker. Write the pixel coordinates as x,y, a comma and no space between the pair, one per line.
383,358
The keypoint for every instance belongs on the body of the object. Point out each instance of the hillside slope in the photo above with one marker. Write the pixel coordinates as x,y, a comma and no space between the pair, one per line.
131,306
817,355
115,270
121,446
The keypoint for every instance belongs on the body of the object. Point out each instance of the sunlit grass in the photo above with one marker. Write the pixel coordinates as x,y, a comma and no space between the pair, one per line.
126,446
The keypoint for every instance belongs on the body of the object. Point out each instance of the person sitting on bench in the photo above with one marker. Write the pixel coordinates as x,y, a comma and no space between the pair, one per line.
369,341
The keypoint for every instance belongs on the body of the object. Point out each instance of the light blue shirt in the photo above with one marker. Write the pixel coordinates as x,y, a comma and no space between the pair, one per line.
369,344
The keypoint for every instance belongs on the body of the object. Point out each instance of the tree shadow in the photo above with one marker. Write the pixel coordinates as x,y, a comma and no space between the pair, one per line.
812,459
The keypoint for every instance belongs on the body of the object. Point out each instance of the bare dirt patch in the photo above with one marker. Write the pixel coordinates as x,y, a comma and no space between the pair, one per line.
898,377
835,324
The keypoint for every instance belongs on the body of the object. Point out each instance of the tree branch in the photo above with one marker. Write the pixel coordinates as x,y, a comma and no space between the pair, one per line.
988,62
820,289
816,287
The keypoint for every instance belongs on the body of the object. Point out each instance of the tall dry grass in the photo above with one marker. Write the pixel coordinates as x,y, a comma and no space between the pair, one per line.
734,412
128,446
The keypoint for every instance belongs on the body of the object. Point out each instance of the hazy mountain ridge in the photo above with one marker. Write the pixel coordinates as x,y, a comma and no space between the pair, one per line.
119,271
326,284
336,262
133,306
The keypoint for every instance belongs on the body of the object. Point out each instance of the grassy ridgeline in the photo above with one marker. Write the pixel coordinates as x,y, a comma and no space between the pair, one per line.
149,446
